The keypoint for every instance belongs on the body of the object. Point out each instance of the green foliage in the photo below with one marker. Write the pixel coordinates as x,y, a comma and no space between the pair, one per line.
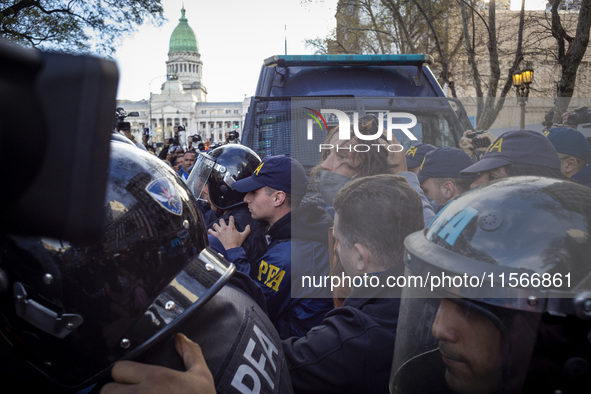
78,26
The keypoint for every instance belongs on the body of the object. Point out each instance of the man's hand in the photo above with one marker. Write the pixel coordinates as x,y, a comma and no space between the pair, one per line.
466,142
228,235
134,377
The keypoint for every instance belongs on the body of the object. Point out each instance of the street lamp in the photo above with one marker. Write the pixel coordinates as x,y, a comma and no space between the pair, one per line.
522,80
150,106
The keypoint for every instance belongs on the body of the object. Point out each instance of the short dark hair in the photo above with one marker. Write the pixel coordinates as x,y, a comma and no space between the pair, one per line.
379,211
293,200
463,184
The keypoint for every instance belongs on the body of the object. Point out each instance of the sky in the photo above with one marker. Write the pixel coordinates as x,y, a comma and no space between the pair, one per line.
233,36
529,4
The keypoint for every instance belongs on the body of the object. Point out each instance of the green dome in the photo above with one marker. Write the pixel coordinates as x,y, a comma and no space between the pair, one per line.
183,38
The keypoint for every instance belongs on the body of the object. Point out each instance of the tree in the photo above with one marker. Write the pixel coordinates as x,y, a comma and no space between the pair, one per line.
79,26
570,53
453,31
395,26
497,85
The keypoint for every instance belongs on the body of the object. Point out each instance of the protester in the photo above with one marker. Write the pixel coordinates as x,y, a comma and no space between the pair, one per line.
187,161
342,163
518,321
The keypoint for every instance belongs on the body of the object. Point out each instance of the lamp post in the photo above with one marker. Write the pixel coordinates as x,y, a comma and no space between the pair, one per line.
522,80
150,105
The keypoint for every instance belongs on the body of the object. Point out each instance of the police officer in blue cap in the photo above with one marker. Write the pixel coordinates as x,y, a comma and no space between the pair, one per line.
297,237
439,174
573,149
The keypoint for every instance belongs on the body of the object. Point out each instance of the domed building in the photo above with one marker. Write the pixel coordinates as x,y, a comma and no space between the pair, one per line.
182,100
184,61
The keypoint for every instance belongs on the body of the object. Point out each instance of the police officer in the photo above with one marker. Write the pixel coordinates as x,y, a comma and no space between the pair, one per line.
573,149
297,239
515,153
513,316
415,156
211,181
351,351
439,174
70,311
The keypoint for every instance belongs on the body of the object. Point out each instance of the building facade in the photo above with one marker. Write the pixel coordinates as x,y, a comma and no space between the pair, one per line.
182,100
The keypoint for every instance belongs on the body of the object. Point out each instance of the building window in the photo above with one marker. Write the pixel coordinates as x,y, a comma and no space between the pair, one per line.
228,111
203,112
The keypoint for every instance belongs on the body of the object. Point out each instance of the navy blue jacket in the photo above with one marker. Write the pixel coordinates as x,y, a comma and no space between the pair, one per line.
300,237
254,245
352,350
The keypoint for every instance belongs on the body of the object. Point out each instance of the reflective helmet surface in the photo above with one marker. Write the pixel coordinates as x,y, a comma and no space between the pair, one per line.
73,310
511,259
219,169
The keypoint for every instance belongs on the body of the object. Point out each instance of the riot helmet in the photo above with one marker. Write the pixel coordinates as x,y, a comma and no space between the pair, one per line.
497,294
215,172
72,310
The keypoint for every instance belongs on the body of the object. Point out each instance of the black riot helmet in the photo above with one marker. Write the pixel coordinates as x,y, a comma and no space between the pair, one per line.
72,310
498,293
219,169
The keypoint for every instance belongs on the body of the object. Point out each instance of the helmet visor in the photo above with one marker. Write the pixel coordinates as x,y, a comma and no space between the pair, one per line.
197,180
462,346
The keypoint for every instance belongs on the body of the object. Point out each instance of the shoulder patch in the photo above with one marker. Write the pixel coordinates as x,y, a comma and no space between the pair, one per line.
164,193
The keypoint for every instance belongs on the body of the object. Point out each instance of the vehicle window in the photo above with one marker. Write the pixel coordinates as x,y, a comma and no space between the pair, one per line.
298,126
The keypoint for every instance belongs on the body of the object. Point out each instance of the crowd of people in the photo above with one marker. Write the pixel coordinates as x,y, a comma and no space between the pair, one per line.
517,207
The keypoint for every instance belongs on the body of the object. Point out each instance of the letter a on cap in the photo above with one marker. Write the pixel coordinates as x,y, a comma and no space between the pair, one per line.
423,162
496,146
258,168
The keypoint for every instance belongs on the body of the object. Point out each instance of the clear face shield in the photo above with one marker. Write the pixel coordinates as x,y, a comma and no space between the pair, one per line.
200,175
455,345
197,180
468,336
